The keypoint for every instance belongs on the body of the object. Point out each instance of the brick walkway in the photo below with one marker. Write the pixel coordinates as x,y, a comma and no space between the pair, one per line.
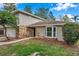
5,43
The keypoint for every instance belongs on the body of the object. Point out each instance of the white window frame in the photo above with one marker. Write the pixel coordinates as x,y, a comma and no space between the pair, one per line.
52,32
46,32
17,20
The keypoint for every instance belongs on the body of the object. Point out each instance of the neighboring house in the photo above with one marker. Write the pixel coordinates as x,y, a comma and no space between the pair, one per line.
30,25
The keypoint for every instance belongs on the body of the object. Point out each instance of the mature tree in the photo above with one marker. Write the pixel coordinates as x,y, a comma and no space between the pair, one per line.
45,13
7,19
66,18
42,12
51,16
9,7
28,9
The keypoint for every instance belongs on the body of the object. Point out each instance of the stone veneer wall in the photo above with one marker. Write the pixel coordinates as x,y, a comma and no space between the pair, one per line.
22,31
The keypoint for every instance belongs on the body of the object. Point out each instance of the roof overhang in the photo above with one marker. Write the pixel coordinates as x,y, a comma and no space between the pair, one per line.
47,24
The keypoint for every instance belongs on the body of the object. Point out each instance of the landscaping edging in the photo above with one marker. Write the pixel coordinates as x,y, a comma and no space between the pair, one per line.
5,43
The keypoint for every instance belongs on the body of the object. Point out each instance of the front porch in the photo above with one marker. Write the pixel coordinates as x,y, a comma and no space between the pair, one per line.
24,31
31,32
41,32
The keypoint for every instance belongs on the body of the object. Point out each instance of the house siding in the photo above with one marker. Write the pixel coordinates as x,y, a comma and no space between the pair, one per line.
40,31
59,33
24,22
27,20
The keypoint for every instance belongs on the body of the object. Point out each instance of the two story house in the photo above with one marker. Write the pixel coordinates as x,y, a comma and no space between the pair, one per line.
30,25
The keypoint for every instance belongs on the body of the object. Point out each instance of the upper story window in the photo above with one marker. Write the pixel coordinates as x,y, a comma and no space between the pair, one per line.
17,18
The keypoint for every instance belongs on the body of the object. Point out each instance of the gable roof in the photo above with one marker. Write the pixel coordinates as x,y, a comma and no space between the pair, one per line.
44,23
26,13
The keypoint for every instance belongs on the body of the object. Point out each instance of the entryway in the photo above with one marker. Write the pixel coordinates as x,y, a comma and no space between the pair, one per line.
31,32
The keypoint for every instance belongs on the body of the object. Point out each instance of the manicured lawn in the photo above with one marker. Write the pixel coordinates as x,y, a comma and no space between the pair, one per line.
26,48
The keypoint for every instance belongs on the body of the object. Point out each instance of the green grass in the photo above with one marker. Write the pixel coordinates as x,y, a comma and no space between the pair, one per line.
26,48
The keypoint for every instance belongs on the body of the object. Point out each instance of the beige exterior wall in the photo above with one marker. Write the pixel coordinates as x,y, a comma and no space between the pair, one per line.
27,20
11,32
59,33
40,31
23,21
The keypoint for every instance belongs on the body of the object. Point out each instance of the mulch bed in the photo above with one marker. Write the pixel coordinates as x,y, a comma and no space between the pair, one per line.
54,41
44,40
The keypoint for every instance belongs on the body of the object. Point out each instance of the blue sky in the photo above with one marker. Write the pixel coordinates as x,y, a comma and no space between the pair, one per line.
58,9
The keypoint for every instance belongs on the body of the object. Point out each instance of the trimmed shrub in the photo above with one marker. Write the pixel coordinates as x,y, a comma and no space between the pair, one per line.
71,33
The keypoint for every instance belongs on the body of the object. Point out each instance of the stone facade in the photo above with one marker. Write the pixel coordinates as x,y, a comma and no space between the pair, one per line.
22,31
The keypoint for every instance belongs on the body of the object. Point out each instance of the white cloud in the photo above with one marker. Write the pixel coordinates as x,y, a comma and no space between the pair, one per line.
64,6
70,16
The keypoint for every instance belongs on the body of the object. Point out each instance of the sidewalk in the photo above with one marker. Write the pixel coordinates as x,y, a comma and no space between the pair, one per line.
5,43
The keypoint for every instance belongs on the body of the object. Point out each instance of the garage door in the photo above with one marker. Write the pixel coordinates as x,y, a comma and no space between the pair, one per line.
11,32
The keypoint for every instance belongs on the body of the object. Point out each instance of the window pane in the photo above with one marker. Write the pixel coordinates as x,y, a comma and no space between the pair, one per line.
17,18
49,31
54,31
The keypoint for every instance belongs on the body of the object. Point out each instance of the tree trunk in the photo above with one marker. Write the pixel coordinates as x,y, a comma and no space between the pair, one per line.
5,32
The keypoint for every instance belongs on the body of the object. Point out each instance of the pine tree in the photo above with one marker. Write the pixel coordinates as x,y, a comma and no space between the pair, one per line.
9,7
42,12
66,18
28,9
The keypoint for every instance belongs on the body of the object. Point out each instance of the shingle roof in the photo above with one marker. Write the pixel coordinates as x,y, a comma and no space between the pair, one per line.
44,23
